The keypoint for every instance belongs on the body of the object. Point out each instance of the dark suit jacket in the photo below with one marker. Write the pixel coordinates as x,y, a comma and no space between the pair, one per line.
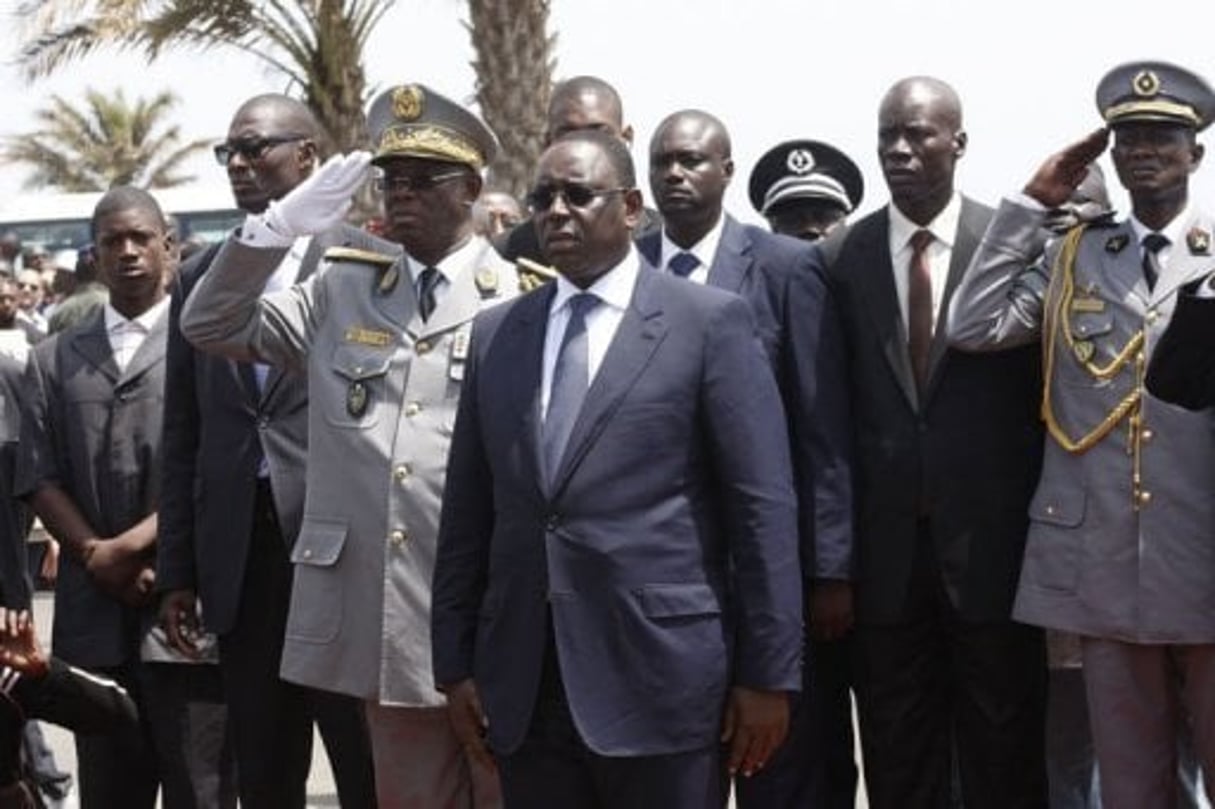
1182,368
95,432
15,585
665,550
217,426
800,329
966,458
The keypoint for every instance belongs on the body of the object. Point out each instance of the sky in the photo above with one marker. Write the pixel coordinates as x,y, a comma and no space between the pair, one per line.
770,69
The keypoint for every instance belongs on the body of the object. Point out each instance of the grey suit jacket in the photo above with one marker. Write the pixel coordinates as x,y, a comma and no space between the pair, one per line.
218,425
95,432
1104,558
383,387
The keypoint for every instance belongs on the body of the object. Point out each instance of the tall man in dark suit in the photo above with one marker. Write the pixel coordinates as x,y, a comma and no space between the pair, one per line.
617,552
690,167
236,440
948,448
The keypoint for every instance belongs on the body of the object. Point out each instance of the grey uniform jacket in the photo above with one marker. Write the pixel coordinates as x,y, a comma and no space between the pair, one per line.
382,388
1105,557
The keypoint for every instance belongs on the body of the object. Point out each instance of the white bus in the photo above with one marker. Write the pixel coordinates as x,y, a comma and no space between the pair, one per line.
61,221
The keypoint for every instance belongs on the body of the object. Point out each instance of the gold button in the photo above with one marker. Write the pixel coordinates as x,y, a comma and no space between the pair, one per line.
307,553
1152,316
412,409
401,472
1148,435
421,346
1145,498
396,537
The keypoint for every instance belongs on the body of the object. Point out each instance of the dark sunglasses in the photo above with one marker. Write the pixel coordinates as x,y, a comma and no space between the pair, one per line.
251,148
422,182
576,195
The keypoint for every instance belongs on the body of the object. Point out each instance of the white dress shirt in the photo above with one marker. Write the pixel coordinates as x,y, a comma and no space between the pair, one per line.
705,250
1175,231
944,230
450,267
614,290
126,336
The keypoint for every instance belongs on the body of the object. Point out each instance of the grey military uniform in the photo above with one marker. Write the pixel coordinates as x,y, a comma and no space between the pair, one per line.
1122,535
383,387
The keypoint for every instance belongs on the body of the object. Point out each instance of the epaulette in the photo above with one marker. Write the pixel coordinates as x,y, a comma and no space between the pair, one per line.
355,254
1106,219
532,274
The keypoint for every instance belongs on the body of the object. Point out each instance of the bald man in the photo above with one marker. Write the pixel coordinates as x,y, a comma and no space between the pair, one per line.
948,448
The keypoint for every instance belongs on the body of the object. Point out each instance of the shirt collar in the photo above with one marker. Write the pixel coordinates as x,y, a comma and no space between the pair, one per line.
944,227
1174,231
116,321
705,249
614,287
452,264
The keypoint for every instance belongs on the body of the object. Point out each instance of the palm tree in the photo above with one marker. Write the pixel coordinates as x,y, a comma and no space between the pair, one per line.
514,67
317,44
106,142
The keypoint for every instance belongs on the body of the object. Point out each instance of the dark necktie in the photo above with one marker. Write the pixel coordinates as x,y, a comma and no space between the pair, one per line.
428,282
1153,243
683,263
571,378
919,307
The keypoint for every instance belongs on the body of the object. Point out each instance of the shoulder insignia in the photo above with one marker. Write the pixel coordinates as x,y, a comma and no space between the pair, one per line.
1115,244
532,274
1199,241
362,256
487,282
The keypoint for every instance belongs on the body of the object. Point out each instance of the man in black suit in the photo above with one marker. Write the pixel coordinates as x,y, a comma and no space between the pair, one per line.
690,167
948,448
236,439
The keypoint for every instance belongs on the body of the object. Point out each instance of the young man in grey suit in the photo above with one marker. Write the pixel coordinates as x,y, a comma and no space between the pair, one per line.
232,499
948,447
1120,544
384,341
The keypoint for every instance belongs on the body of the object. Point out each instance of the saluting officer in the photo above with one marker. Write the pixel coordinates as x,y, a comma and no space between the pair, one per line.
805,188
384,339
1120,544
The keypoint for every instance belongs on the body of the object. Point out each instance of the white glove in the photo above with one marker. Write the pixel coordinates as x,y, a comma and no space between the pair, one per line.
322,201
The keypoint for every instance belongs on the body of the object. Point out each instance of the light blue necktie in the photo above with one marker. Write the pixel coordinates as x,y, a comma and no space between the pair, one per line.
571,378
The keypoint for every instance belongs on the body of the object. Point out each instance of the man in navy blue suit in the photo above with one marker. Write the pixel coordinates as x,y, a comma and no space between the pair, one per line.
690,168
616,588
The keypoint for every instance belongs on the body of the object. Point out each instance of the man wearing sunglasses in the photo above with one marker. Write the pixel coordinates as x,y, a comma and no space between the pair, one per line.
236,437
384,340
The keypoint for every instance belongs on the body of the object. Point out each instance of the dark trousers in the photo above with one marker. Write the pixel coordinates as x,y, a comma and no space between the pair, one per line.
815,767
182,745
554,769
935,682
272,719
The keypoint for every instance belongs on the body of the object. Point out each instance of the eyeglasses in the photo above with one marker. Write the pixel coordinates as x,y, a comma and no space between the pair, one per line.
576,195
422,182
251,148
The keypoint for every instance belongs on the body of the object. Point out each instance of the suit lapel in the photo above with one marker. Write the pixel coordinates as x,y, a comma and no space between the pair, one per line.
875,280
965,242
93,344
461,302
640,333
151,351
1122,269
650,247
526,379
732,261
1187,262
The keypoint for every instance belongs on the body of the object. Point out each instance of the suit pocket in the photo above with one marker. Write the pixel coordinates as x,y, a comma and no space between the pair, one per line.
678,600
1053,553
357,389
316,596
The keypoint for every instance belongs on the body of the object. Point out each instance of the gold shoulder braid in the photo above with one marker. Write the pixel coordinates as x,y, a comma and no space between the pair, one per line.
1056,322
532,274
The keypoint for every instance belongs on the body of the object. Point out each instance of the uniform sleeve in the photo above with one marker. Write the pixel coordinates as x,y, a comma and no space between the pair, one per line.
998,304
71,698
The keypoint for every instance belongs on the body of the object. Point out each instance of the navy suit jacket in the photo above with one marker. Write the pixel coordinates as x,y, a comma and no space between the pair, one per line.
217,425
665,550
800,328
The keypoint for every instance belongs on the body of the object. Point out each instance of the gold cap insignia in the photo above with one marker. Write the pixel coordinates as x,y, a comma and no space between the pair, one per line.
1199,241
1114,244
407,102
487,282
1146,83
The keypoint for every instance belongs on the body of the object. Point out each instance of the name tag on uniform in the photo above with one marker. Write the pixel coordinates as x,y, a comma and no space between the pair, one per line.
1094,305
367,337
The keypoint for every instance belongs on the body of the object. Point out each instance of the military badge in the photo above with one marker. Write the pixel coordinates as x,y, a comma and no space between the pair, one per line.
459,346
367,337
388,281
1115,244
1199,241
1092,305
1083,349
407,102
356,399
1146,83
487,282
800,162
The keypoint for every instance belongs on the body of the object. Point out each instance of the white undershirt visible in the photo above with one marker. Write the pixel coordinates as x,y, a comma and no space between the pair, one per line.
126,336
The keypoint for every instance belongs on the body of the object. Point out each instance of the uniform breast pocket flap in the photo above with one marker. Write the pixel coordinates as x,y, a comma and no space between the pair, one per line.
678,600
320,543
360,372
1090,325
1061,506
360,363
